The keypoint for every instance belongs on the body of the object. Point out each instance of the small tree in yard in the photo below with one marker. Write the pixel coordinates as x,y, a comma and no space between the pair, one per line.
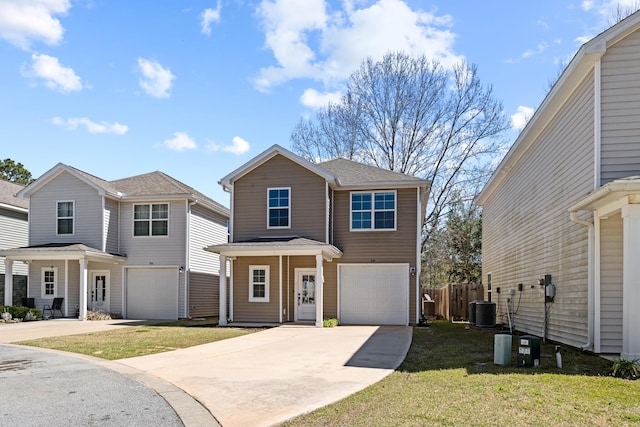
411,115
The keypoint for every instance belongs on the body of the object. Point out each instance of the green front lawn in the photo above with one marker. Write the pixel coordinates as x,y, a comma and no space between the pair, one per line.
132,341
449,379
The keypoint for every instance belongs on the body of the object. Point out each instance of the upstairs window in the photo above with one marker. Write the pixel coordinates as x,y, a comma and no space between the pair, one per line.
373,210
259,283
65,217
279,208
151,219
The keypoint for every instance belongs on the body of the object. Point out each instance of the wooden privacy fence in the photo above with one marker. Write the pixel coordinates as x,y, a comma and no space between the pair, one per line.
452,301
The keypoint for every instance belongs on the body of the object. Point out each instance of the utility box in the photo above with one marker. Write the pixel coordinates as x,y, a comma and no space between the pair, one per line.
502,349
529,351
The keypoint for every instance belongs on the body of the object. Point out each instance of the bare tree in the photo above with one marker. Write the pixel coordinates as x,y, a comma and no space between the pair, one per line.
622,12
411,115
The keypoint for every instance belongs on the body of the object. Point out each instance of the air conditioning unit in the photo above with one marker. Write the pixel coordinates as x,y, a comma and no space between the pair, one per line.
485,314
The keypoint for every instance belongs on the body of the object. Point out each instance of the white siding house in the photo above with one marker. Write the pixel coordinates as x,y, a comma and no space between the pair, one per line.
563,204
13,232
122,246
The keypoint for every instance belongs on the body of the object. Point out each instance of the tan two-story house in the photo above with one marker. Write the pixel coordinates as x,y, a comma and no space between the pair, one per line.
338,239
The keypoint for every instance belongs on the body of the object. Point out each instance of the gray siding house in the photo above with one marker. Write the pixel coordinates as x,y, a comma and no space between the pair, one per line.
563,207
14,215
337,239
132,247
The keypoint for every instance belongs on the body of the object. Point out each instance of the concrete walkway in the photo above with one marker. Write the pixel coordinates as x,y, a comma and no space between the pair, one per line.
270,376
258,379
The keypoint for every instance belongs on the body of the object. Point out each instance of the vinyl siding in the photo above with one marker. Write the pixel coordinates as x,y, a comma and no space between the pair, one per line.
245,311
205,229
307,199
14,230
88,213
611,238
397,246
111,211
157,251
527,231
204,294
621,110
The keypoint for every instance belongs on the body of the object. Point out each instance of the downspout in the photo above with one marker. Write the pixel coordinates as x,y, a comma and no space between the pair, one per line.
590,280
187,261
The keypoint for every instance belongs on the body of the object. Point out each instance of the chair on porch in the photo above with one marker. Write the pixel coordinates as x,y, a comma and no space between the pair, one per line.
29,302
55,305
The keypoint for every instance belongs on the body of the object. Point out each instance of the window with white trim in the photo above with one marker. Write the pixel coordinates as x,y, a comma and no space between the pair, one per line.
64,215
373,210
259,283
49,282
151,219
279,207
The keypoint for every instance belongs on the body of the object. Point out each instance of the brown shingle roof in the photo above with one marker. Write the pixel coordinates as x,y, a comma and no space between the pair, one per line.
350,172
7,194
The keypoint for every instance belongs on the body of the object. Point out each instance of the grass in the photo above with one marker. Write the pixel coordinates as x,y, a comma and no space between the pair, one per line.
132,341
449,379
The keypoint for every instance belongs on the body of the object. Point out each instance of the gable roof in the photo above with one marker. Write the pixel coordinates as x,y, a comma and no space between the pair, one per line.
8,199
337,172
153,185
269,153
581,64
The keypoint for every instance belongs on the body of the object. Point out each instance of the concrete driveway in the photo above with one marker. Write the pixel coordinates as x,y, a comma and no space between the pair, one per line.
270,376
258,379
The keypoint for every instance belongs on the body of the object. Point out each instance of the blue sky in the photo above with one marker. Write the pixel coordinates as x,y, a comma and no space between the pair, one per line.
196,88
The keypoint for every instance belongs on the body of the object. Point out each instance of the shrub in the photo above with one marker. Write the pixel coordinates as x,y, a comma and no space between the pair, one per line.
20,312
330,323
627,369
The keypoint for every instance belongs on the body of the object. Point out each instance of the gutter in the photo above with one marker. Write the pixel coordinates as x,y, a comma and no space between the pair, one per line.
590,281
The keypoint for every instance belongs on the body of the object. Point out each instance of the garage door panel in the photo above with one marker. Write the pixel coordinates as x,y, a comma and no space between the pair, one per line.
152,293
374,294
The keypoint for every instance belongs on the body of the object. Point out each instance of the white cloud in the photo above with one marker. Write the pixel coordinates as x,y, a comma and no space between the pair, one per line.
310,41
519,120
92,127
23,21
209,16
313,99
55,76
587,5
180,142
537,51
238,146
156,80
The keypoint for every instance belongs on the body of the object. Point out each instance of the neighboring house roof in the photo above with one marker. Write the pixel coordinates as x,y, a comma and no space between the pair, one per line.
8,199
581,64
51,251
338,172
154,185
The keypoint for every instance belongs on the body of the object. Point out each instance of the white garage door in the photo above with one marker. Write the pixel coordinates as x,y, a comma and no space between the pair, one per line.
152,293
374,294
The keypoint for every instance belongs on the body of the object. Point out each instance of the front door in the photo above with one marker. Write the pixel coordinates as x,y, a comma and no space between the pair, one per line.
305,297
98,291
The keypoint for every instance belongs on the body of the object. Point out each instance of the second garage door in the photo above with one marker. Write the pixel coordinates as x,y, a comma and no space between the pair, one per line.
152,293
374,294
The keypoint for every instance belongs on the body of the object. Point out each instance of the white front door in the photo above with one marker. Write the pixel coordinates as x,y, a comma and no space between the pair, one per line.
305,298
98,291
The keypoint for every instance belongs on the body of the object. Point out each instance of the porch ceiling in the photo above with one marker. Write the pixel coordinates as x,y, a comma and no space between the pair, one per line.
274,246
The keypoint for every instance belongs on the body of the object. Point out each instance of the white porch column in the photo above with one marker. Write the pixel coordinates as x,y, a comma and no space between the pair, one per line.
8,282
631,282
222,320
319,291
83,290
